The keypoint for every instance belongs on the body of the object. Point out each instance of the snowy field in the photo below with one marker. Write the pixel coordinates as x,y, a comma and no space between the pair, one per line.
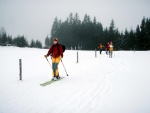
95,85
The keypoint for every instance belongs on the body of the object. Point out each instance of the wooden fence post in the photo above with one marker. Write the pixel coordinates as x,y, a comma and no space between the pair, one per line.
77,58
95,53
20,68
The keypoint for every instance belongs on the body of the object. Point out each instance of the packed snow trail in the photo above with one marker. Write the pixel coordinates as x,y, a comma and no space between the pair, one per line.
94,85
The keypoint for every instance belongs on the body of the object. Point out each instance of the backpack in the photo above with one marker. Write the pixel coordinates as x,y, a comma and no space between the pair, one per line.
63,47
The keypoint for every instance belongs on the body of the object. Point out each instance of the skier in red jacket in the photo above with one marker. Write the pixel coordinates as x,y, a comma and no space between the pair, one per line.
56,51
107,48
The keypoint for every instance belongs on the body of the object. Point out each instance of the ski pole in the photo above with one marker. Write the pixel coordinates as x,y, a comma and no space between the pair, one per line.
64,67
48,62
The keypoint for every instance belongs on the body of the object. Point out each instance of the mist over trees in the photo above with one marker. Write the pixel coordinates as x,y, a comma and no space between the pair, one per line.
86,35
19,41
89,33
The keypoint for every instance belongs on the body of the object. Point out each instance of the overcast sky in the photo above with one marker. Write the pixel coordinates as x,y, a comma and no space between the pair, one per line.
34,18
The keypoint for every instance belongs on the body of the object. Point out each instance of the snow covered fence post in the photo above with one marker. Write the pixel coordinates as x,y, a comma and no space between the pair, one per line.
20,68
77,57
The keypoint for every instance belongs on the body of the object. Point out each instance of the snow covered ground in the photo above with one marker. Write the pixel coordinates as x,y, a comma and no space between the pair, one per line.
95,85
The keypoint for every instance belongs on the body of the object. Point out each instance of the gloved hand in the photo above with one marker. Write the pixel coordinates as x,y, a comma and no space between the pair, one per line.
45,56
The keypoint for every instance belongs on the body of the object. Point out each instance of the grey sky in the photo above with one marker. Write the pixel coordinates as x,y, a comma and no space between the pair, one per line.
34,18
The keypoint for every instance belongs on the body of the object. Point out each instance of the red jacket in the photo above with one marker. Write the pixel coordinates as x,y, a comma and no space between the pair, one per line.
108,46
56,50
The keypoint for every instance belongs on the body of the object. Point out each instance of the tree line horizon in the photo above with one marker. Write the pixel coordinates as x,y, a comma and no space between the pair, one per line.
19,41
87,35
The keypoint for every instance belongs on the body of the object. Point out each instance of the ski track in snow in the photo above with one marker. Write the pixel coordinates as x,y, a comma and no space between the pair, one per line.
87,89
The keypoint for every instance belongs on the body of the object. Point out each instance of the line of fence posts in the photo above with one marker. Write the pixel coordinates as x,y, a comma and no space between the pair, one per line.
20,63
